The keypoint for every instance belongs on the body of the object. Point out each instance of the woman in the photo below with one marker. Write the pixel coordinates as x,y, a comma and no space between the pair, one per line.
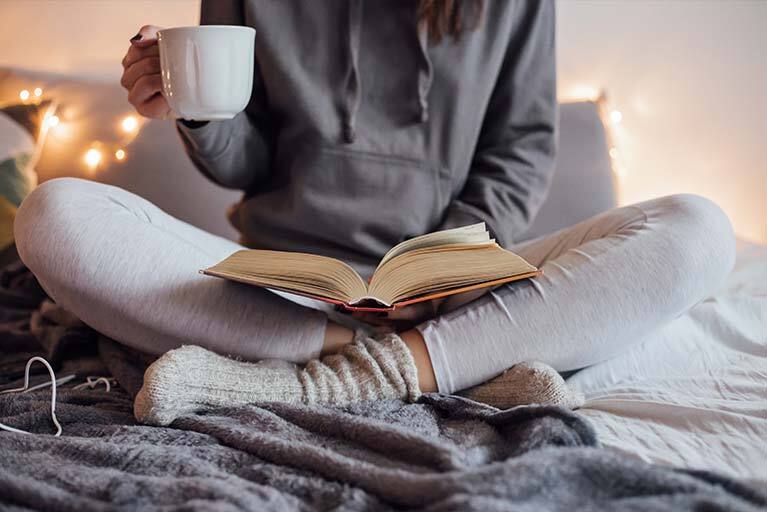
369,123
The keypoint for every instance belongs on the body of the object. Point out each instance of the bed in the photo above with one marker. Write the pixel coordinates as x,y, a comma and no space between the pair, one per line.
694,394
691,396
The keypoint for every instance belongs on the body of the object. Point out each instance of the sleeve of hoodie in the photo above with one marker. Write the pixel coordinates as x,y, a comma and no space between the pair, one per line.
514,159
234,153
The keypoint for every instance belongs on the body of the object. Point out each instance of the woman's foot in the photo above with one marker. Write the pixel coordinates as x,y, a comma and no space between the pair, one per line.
192,379
523,384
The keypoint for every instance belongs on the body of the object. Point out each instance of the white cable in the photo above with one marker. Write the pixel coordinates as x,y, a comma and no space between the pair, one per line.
91,382
59,382
26,388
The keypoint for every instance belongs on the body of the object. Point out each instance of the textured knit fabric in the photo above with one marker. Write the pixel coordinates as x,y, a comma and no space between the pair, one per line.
130,271
524,384
361,133
193,379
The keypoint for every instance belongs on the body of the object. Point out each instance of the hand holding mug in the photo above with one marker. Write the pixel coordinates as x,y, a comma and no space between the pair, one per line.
196,73
141,75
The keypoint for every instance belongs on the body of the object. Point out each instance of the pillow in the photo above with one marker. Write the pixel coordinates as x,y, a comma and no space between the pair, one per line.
21,134
583,183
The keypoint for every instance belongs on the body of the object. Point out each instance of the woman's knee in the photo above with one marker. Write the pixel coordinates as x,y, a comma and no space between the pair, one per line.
44,220
699,237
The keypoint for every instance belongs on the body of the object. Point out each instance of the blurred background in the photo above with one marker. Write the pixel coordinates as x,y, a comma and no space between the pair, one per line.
685,81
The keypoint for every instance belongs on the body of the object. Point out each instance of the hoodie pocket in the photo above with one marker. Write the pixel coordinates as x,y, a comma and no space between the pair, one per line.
364,202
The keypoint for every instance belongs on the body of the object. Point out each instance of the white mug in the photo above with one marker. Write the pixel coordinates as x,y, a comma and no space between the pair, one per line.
207,71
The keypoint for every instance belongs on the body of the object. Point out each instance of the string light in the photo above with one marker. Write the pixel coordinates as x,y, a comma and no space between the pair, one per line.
93,158
98,153
129,124
612,119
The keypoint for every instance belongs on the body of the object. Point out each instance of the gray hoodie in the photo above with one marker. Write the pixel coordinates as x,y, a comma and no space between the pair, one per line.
360,133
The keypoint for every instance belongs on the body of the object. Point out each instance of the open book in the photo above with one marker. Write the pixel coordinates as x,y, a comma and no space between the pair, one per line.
422,268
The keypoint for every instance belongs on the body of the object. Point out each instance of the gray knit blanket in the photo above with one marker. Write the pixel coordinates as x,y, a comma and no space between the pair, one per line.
442,453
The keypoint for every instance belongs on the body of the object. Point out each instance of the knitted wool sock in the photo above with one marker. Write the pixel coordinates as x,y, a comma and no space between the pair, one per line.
192,378
526,383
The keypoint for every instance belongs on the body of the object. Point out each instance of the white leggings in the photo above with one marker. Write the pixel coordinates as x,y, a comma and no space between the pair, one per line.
130,271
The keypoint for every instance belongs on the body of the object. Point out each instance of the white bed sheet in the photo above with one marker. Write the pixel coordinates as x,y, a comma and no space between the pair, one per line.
694,394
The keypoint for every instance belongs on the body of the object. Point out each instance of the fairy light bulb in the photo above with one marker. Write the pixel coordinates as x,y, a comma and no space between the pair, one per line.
24,95
129,124
52,121
38,92
93,158
120,155
616,116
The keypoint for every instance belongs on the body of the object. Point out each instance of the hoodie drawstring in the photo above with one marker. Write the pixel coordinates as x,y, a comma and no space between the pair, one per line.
425,75
354,86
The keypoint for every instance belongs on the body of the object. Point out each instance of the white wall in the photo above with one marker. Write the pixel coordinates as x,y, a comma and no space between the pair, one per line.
83,36
689,77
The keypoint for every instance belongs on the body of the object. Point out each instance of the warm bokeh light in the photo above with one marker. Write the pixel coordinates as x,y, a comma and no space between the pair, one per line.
24,95
129,124
120,155
93,158
616,116
614,153
38,92
60,130
582,92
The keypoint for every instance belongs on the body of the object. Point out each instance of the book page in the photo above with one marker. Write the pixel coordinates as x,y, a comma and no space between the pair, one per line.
473,234
304,273
436,269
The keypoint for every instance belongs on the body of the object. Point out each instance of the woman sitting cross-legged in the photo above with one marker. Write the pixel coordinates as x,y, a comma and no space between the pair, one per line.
370,123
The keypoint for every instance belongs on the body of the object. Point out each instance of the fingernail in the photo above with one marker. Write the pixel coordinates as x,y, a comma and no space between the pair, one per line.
135,38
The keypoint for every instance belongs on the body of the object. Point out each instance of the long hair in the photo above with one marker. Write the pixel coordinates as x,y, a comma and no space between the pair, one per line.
449,17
